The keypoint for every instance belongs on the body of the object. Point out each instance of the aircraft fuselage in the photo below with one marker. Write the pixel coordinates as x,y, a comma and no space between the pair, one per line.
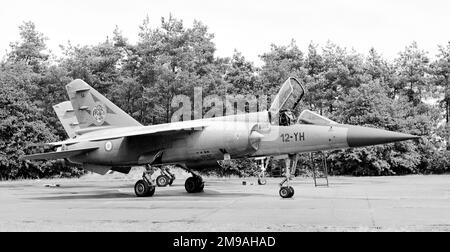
219,139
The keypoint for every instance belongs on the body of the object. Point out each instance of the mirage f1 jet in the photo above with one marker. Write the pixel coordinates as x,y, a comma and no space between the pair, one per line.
104,138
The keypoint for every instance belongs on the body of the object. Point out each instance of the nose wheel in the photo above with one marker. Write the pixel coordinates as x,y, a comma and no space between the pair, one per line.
287,191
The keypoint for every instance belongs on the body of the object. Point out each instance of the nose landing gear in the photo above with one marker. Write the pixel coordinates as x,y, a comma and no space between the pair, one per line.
263,163
287,191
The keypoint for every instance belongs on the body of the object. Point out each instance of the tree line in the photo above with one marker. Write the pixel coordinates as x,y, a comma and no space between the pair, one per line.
171,59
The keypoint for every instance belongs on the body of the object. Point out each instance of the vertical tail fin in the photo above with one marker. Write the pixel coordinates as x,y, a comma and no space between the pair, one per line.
93,109
66,116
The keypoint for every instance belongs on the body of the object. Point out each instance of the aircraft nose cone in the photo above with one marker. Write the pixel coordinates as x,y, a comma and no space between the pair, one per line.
358,136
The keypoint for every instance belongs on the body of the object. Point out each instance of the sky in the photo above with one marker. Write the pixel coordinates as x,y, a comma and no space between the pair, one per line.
249,26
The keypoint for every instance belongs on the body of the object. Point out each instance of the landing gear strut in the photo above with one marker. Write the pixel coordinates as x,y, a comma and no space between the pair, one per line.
194,184
145,187
287,191
263,163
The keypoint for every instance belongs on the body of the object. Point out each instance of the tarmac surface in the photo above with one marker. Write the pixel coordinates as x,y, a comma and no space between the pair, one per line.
412,203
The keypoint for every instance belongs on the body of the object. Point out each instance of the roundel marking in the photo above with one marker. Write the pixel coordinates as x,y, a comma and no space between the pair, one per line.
108,146
99,113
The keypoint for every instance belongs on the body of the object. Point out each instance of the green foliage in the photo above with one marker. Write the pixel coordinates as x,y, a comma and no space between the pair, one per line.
172,58
280,63
26,115
31,48
96,65
440,70
20,129
412,68
240,168
241,74
370,105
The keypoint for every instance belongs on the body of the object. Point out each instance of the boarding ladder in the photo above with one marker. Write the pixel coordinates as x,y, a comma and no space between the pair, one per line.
319,169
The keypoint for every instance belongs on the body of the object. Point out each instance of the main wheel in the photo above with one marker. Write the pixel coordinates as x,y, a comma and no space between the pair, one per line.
162,181
200,185
286,192
143,189
151,191
194,185
191,185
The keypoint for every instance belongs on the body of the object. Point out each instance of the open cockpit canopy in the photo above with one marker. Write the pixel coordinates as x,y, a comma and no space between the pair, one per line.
290,95
287,101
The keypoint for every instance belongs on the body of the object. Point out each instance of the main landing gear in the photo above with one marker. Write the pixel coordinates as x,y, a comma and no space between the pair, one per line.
287,191
194,184
146,187
166,178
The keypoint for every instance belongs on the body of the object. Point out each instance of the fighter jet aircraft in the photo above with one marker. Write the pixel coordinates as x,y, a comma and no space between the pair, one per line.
104,138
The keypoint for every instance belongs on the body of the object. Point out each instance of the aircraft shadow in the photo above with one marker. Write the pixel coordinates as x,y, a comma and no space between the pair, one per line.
86,196
206,194
161,195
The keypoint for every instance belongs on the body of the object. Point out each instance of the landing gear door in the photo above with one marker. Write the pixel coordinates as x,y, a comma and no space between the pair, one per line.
290,95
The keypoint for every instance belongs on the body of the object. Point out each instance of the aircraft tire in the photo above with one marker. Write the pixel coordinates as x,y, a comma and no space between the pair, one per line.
151,191
142,189
162,181
286,192
291,189
191,185
201,186
262,181
194,185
